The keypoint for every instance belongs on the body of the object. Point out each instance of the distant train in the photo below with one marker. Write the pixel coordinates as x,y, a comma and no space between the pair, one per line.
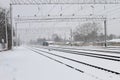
45,43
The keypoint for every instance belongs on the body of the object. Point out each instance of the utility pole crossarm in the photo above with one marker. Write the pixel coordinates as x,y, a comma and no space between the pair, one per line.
60,18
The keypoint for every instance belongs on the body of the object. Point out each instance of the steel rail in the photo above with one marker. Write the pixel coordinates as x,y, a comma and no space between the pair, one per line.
81,71
97,67
114,52
106,57
59,61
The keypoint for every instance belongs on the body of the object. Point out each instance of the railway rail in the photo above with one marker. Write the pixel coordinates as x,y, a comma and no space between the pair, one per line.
96,77
63,63
106,50
77,61
89,54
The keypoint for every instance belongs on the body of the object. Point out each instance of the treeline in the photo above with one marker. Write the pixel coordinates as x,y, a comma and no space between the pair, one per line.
91,32
5,30
86,32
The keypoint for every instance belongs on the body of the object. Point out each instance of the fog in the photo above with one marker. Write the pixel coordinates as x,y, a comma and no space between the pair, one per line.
46,29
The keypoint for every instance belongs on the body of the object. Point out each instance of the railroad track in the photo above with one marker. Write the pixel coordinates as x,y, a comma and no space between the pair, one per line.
89,54
106,51
77,61
113,48
96,77
76,69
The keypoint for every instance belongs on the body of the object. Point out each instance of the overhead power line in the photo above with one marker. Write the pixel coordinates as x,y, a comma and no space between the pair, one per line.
34,2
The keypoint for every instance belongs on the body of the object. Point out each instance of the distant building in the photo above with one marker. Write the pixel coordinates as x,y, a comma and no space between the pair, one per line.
51,42
114,42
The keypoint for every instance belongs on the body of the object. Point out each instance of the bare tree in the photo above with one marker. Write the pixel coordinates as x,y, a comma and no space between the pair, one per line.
56,38
112,36
87,32
4,37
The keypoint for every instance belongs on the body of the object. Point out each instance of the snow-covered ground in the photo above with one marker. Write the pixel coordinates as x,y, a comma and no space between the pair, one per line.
24,64
101,74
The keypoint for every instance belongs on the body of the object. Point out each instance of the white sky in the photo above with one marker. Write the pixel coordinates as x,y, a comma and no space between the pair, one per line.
107,10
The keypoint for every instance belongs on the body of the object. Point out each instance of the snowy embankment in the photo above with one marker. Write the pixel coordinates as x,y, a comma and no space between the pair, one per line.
23,64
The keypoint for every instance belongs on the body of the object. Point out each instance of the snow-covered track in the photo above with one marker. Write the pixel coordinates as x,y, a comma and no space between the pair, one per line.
77,61
106,50
84,53
63,63
57,60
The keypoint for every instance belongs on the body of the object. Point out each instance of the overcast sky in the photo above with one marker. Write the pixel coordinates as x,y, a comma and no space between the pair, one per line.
113,26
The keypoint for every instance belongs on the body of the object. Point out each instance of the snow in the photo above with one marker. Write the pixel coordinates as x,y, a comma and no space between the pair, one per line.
24,64
114,40
89,51
99,48
111,65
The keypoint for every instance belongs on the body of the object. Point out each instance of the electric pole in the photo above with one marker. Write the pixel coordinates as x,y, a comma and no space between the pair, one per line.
105,32
11,26
71,36
6,30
